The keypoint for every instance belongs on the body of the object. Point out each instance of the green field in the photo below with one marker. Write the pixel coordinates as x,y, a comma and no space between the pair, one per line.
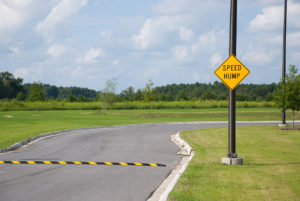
271,169
20,125
14,105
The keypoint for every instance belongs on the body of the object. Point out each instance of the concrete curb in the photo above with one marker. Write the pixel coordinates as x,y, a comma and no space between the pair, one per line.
187,153
185,148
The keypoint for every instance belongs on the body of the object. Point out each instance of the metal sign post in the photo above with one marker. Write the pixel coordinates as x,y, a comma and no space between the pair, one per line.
231,108
232,72
283,121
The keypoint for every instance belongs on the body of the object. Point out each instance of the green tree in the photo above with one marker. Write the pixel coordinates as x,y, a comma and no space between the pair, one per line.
52,91
21,96
287,95
149,94
127,94
71,97
9,85
182,95
138,96
292,89
108,96
36,94
207,95
82,98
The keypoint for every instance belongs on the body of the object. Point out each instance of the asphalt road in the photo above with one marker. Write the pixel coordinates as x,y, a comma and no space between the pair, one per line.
132,143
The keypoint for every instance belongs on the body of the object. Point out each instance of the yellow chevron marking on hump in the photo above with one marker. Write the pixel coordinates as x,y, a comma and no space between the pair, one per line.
81,163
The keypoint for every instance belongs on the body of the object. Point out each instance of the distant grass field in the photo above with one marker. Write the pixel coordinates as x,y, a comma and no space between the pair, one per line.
20,125
271,169
14,105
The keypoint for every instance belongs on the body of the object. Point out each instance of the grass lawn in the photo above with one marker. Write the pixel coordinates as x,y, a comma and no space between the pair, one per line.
271,169
20,125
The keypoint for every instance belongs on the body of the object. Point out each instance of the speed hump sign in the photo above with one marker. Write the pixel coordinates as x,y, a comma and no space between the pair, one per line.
232,72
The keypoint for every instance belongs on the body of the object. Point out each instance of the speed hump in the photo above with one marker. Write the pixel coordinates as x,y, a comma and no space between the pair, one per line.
232,72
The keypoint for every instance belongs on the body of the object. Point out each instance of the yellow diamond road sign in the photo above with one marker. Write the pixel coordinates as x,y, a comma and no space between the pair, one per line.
232,72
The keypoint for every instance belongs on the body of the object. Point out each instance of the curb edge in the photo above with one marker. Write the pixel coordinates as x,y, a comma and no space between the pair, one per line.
187,153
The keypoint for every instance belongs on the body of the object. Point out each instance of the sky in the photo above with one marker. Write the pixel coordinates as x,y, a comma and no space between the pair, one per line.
84,43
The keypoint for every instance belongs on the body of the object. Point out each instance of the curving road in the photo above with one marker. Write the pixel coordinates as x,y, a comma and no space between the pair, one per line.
130,143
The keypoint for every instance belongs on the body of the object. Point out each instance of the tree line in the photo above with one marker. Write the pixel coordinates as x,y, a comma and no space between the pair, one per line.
13,88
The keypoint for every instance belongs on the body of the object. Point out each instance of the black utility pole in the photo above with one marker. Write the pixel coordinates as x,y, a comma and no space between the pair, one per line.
231,108
283,57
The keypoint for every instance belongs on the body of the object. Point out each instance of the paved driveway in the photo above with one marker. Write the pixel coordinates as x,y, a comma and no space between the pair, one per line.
130,143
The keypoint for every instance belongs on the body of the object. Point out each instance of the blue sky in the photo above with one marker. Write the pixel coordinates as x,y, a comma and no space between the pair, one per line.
87,42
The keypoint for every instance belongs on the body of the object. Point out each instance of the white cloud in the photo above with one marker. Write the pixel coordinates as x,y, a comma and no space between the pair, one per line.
21,72
154,32
59,15
293,15
180,53
186,34
84,72
212,37
14,50
77,72
276,67
91,56
271,39
18,3
15,14
272,17
296,58
293,39
116,62
30,74
10,18
186,7
259,57
106,35
152,73
209,40
56,50
173,7
173,21
196,77
265,2
215,60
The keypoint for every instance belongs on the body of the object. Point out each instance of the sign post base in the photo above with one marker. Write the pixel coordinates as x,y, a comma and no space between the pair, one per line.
282,125
232,161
